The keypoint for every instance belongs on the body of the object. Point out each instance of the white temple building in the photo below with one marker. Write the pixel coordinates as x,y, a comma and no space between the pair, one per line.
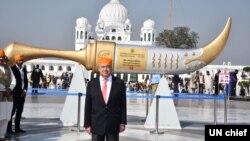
113,24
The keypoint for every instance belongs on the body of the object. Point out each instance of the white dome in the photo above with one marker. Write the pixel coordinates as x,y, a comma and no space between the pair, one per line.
149,24
82,22
113,12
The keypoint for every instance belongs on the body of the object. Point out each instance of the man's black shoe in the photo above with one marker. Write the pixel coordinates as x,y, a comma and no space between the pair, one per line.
20,131
10,132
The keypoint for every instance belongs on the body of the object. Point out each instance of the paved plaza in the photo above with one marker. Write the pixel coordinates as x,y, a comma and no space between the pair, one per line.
41,120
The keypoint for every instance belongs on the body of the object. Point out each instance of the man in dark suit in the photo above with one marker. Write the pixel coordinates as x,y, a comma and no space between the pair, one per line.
36,76
19,93
233,82
105,105
217,86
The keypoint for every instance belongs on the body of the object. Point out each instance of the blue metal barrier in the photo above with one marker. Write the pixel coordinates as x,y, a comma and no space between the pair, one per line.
130,94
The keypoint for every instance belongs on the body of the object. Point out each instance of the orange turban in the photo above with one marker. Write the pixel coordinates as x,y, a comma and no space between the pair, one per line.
18,57
104,60
2,53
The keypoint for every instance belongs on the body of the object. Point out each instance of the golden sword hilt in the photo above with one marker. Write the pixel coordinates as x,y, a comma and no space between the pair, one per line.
86,57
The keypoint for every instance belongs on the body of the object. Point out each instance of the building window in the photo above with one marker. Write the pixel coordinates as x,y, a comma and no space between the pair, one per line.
51,68
86,35
60,68
133,77
33,67
119,38
113,37
113,30
42,67
92,75
125,77
149,35
153,37
68,68
81,35
107,37
118,75
144,39
127,27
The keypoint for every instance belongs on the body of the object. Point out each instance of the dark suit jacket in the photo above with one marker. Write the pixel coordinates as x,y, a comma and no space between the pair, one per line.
102,117
36,75
17,91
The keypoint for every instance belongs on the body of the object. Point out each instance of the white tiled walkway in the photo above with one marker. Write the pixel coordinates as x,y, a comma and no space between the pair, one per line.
42,123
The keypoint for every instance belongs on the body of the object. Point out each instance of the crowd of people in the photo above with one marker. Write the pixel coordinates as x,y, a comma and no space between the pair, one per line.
38,80
198,82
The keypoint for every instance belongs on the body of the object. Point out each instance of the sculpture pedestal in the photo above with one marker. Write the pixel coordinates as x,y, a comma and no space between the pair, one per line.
69,115
167,115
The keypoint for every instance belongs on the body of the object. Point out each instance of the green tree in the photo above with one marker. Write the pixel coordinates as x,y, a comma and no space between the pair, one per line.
246,69
179,37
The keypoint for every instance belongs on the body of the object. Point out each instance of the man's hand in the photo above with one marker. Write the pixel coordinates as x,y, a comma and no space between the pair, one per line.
23,93
88,130
122,127
7,92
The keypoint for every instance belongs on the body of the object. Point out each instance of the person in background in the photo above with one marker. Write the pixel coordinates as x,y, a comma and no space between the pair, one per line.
194,81
105,105
233,82
176,80
19,93
36,76
209,82
201,82
217,86
146,83
7,83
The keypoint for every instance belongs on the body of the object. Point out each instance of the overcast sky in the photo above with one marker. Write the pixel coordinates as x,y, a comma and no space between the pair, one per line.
51,23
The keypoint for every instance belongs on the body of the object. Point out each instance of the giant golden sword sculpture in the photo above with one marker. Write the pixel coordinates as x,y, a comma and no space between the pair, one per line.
132,58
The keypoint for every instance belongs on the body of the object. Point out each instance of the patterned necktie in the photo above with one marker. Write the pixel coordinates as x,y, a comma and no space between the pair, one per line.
104,90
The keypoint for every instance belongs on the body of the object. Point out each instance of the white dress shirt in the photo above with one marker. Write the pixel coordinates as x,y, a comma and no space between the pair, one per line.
109,82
